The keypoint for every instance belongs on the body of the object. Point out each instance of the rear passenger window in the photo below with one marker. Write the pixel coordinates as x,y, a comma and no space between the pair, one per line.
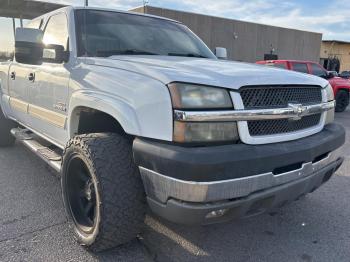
300,67
7,41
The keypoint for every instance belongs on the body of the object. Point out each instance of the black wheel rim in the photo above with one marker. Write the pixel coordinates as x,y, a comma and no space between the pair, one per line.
342,102
81,195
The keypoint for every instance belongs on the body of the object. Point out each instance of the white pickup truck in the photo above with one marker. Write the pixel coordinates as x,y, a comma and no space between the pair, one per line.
135,110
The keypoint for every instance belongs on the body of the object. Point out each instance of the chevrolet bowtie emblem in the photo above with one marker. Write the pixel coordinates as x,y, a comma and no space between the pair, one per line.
298,110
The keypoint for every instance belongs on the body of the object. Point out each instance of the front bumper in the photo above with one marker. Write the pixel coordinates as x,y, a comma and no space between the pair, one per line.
185,184
193,213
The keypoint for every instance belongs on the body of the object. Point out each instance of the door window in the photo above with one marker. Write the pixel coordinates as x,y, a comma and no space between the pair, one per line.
7,41
35,24
317,70
280,65
56,31
300,67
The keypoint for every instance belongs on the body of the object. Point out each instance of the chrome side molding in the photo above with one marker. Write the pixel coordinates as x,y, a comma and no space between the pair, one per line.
293,112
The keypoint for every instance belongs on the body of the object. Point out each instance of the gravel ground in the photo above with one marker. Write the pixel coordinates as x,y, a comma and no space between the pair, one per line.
33,225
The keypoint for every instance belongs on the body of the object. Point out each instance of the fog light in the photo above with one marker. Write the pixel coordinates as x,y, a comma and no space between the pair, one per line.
217,213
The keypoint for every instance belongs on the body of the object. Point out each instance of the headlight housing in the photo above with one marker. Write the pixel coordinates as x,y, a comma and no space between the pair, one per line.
196,97
190,96
329,91
330,97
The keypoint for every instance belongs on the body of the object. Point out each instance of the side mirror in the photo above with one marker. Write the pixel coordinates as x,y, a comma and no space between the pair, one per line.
55,54
29,46
221,53
330,75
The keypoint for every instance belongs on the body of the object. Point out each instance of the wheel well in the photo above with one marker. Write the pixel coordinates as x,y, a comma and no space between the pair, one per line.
344,89
87,120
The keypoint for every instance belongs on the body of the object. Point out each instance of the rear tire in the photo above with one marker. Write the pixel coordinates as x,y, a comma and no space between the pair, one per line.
6,139
113,184
342,99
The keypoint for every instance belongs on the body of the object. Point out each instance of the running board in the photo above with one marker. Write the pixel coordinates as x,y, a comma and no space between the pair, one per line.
50,157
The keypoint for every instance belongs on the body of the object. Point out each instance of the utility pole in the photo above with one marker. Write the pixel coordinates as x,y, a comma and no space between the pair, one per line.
145,3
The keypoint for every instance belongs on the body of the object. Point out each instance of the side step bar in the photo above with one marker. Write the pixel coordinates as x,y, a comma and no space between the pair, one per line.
50,157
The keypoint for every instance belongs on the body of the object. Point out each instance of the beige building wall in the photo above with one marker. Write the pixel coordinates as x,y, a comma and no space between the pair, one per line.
246,41
340,50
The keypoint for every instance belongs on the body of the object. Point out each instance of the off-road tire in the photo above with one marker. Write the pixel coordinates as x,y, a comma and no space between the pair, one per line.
121,198
342,99
6,139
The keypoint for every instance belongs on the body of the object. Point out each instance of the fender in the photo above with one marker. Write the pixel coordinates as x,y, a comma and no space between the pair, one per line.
109,104
140,104
340,87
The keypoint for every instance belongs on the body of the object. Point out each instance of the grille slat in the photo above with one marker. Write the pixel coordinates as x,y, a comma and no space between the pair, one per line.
282,126
279,96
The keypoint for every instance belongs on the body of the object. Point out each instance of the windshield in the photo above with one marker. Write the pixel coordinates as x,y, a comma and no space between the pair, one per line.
106,33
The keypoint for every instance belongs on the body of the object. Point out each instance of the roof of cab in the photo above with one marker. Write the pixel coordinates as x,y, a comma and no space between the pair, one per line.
108,10
33,9
125,12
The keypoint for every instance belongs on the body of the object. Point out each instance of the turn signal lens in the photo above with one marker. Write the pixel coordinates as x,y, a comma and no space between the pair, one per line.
187,132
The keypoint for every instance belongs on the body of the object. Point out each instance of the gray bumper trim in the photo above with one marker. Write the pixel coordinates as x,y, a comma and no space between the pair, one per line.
163,188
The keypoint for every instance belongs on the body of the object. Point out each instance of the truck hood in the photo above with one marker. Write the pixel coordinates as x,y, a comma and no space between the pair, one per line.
213,72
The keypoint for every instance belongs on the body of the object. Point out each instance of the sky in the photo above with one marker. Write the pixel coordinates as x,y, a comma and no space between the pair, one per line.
332,18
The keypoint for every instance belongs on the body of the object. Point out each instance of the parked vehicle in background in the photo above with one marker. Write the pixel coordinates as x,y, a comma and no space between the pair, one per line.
345,74
136,110
341,86
334,73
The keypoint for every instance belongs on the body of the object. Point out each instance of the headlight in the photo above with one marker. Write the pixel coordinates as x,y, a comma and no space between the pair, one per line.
196,97
329,92
189,96
330,97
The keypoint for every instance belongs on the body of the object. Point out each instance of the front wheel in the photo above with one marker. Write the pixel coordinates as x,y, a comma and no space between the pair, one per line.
342,99
102,190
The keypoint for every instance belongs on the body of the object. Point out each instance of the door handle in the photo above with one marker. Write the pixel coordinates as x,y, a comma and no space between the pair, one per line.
13,75
31,77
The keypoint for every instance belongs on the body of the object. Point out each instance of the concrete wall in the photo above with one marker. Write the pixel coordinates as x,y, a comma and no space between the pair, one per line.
252,40
339,50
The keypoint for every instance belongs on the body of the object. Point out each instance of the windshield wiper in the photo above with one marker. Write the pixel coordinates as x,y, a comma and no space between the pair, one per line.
106,53
187,55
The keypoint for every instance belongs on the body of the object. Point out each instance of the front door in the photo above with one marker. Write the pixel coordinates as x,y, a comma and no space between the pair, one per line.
49,94
19,83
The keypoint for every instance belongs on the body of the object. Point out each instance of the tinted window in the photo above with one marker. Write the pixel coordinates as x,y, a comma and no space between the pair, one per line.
280,65
103,34
300,67
56,31
7,41
317,70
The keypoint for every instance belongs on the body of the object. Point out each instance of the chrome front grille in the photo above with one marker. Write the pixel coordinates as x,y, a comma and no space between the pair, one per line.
270,97
279,96
282,126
